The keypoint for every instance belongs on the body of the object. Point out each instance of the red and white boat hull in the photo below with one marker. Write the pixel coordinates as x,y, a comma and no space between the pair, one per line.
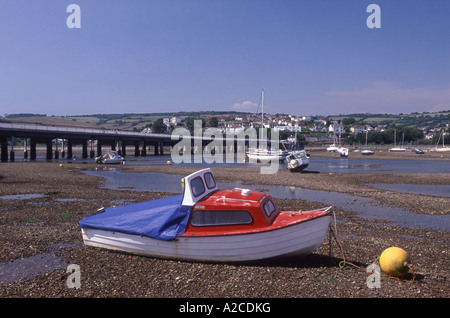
297,239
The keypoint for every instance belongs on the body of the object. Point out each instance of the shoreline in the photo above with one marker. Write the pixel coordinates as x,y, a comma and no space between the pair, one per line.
49,224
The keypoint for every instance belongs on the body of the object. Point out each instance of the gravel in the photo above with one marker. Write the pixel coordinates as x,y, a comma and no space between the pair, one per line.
45,231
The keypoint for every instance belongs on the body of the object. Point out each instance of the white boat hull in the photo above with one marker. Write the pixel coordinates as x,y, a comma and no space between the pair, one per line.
397,150
294,240
268,157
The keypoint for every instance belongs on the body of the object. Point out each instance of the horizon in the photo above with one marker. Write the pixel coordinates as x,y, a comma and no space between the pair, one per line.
312,58
216,111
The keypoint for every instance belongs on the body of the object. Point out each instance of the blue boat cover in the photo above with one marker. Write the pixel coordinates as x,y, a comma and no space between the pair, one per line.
161,219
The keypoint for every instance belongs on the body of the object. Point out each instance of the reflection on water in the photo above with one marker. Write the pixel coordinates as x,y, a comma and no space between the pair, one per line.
441,190
34,265
29,267
364,207
22,196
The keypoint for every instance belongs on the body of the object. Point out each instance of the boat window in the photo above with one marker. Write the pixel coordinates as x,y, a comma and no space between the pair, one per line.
209,179
269,207
197,186
215,218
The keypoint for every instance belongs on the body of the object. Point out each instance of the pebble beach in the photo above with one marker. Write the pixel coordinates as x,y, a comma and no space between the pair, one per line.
40,237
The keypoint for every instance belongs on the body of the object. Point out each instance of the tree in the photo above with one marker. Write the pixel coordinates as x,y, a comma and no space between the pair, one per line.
189,121
214,122
159,127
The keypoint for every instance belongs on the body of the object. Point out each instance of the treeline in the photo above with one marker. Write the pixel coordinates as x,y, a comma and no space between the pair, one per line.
406,135
24,115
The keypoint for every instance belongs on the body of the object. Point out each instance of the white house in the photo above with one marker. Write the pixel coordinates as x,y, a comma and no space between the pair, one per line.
336,128
358,129
176,120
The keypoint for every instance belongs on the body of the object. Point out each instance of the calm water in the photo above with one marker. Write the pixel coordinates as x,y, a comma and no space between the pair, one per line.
327,165
364,207
425,189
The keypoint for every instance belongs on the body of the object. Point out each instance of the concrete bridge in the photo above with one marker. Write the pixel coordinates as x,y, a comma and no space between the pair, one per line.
55,136
68,137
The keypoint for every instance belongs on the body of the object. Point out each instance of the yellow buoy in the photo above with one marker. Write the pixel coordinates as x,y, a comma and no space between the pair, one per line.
394,261
168,162
61,165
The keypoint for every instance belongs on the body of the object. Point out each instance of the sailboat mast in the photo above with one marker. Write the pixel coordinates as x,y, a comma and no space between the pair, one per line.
262,108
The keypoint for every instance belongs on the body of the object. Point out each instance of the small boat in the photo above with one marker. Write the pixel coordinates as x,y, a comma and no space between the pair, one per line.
444,148
207,224
367,152
332,148
266,155
397,149
418,151
110,157
342,152
297,161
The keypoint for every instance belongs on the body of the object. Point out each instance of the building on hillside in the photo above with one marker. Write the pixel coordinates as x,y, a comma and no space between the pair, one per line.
336,128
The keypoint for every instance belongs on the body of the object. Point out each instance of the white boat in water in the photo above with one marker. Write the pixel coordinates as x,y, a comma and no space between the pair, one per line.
367,152
444,148
266,154
342,152
208,224
397,149
297,161
332,148
111,157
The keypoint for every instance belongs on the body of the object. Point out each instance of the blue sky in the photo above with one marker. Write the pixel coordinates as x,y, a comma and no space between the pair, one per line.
312,57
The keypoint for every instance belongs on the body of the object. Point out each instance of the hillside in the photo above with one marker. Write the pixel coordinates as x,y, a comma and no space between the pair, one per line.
424,121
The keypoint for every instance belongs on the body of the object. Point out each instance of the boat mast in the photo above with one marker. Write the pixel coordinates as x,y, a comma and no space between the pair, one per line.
262,108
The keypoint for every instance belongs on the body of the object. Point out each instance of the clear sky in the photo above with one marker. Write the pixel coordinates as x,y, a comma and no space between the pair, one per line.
312,57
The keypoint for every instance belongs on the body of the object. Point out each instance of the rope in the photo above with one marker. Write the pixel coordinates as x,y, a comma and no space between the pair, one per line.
412,268
346,262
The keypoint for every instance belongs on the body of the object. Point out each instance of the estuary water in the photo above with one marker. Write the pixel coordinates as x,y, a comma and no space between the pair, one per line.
327,165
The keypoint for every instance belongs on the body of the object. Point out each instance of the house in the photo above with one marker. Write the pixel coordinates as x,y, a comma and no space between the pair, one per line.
336,128
176,120
358,129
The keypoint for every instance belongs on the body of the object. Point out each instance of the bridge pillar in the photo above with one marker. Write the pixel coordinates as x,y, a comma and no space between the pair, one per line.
56,148
136,149
156,148
4,149
161,148
49,155
69,149
92,153
84,155
144,151
11,153
99,147
32,149
124,148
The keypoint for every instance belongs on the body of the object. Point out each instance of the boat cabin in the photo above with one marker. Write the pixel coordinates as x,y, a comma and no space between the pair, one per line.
233,210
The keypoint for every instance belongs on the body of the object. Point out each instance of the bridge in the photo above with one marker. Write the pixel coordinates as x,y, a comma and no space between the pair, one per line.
54,136
68,137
